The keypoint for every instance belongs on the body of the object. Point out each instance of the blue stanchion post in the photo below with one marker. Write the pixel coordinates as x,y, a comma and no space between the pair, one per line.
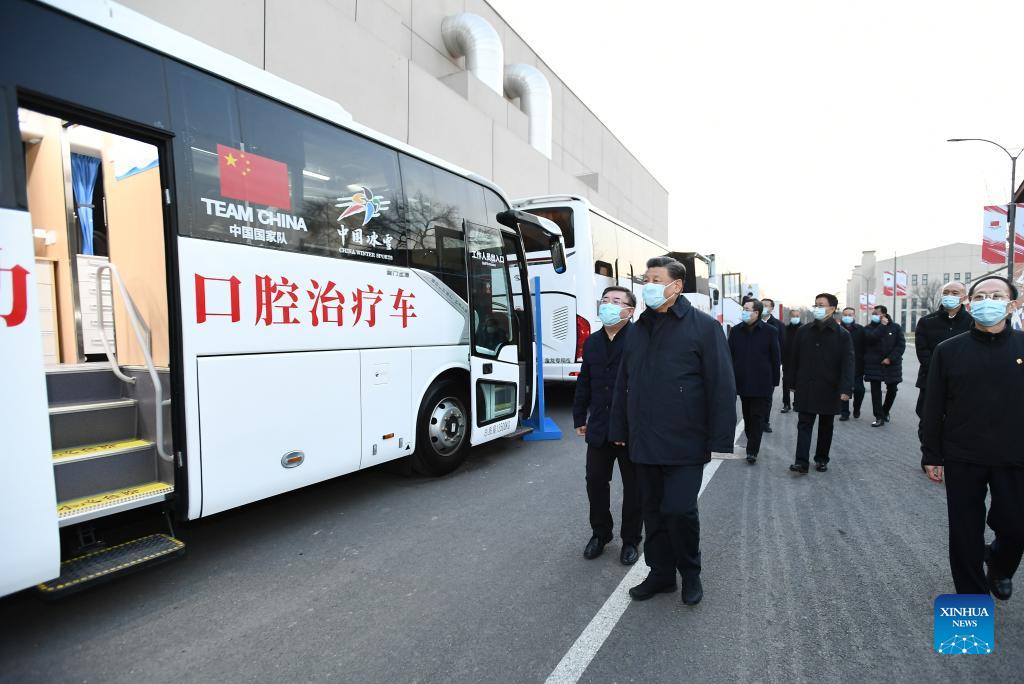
544,428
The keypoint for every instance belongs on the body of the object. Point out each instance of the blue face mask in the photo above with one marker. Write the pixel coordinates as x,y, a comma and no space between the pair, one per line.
875,318
950,301
988,312
654,294
848,320
766,315
746,316
794,320
819,313
610,314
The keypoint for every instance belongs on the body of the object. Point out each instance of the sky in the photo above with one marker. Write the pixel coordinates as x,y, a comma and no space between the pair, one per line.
794,134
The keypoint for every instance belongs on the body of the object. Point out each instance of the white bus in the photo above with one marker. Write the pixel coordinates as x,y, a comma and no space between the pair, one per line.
600,251
215,288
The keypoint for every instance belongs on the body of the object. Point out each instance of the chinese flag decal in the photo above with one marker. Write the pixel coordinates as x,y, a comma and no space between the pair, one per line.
252,178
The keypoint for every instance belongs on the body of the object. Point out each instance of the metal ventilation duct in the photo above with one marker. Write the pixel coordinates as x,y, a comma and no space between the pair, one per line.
534,92
469,35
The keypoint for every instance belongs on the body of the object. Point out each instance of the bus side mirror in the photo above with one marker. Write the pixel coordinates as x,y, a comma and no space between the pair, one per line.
557,248
715,299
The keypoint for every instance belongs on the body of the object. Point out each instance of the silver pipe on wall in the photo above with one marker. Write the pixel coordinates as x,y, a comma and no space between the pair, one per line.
471,36
530,85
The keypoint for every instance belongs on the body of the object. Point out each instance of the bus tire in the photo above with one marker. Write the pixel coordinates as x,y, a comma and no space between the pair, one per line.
442,431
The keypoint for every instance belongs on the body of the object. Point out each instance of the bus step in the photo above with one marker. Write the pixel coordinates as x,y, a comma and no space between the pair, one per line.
93,568
107,503
92,451
520,431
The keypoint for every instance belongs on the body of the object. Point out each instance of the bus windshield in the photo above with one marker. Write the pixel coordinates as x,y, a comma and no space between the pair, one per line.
535,241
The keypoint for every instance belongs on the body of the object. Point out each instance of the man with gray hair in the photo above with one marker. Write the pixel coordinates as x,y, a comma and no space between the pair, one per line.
948,321
674,404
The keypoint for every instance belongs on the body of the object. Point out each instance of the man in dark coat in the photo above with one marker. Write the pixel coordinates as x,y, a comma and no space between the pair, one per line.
973,412
675,404
856,330
823,364
768,316
755,361
935,328
788,376
884,345
602,353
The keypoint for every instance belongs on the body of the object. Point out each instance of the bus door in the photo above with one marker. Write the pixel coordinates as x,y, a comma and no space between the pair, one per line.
28,515
494,353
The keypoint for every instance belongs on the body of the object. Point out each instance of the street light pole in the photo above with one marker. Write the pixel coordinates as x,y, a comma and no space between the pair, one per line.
1011,209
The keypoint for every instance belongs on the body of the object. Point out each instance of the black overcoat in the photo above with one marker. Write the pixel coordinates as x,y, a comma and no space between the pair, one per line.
755,358
788,379
934,329
779,327
884,342
675,397
592,403
856,331
823,365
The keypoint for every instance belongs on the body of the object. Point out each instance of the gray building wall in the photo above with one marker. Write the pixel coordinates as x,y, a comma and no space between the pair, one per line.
385,62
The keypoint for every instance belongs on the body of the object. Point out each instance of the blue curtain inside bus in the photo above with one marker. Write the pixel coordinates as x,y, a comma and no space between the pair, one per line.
84,171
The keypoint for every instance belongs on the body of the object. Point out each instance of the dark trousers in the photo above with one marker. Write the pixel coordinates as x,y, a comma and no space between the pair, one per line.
966,487
600,464
919,410
786,395
804,427
858,396
755,411
668,495
882,408
767,413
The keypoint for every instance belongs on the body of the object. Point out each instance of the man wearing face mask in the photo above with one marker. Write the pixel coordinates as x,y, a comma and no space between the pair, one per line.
949,321
884,345
823,365
768,316
856,330
974,405
788,376
755,361
602,353
675,404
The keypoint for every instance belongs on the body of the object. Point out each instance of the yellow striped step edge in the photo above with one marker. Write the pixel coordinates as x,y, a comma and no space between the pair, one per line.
82,453
75,573
118,497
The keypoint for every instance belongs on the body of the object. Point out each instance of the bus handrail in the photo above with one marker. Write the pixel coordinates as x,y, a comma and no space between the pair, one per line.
137,328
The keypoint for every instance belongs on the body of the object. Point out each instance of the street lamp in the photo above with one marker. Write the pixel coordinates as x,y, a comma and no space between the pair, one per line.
1011,210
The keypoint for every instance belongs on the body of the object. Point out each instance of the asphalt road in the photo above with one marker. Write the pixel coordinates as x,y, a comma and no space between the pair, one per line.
478,577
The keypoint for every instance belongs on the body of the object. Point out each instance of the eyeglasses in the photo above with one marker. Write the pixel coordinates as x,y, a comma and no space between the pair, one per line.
995,296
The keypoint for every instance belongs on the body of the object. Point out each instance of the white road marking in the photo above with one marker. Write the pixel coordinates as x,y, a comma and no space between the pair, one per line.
576,661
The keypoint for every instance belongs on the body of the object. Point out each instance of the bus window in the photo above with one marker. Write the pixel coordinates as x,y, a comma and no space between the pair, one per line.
436,204
205,114
342,187
603,235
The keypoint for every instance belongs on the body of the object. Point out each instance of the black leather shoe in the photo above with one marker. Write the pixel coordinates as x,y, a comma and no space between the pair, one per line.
856,415
879,422
693,591
751,459
785,409
798,468
821,467
595,547
629,555
1001,587
649,588
767,428
844,417
887,418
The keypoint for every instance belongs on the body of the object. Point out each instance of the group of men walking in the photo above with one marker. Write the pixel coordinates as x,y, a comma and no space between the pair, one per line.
659,396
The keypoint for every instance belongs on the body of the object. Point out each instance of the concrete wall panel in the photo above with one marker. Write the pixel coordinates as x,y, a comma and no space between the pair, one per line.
444,124
385,23
518,168
427,16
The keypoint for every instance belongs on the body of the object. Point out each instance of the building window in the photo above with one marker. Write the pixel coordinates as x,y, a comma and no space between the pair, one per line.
924,278
967,277
913,302
945,277
913,279
956,276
